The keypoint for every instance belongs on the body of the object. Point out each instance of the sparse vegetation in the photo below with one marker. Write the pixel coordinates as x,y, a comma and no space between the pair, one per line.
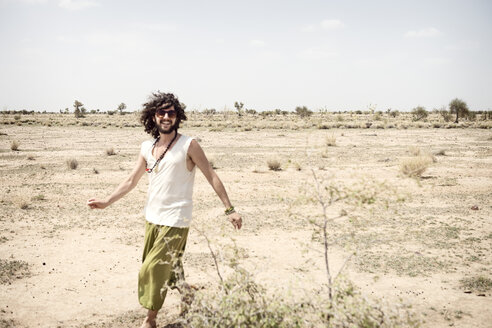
458,107
211,161
110,151
38,197
419,113
72,163
14,145
331,141
11,270
477,284
441,152
79,110
437,231
239,108
121,108
415,166
414,150
274,165
303,111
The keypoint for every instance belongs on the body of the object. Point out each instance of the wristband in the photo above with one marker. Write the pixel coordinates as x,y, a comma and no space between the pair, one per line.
230,210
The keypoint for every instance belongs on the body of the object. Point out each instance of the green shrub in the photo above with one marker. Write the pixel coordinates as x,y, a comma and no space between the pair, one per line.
419,113
303,111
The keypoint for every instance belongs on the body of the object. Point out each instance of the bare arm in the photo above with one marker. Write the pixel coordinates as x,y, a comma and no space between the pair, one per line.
125,186
195,152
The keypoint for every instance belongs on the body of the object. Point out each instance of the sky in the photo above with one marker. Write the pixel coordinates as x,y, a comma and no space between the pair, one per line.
331,55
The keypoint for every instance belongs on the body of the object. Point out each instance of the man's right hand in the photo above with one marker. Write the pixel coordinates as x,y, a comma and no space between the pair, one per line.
94,203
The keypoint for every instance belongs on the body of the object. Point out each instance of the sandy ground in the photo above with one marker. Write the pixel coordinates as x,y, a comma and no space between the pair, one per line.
78,267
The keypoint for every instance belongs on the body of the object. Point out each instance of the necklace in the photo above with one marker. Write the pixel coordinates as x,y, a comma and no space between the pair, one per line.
164,153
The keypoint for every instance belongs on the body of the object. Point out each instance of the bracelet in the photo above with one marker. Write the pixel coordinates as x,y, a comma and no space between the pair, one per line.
230,210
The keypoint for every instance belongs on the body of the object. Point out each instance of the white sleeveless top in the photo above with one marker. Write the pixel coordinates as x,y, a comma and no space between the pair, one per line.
169,198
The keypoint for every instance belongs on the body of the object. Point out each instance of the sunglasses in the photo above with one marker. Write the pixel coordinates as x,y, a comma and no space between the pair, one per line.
162,113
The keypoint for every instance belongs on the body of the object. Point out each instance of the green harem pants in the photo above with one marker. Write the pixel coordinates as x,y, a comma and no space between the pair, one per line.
161,263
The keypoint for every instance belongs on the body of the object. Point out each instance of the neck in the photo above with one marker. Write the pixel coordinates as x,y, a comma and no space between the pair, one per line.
166,138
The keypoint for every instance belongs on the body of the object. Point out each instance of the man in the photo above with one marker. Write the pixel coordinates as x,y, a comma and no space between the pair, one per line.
170,161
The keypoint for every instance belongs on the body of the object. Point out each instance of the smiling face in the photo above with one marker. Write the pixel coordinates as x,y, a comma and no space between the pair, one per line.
165,119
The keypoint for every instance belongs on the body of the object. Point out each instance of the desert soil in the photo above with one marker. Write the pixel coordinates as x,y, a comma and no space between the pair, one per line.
64,265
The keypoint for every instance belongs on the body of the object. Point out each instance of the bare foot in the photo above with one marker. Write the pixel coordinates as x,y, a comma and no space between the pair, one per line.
148,323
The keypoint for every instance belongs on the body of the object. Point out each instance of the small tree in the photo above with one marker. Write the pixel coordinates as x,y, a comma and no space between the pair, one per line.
239,108
79,109
121,108
303,111
458,107
445,115
419,113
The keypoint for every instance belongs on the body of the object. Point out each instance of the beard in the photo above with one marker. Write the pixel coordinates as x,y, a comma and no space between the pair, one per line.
168,130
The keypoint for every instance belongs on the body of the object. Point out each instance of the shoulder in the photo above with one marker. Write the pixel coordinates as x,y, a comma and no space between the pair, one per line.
193,147
187,140
146,145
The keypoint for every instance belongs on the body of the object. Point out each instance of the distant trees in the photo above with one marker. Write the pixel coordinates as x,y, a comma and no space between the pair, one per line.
239,108
79,110
303,111
419,113
458,107
121,108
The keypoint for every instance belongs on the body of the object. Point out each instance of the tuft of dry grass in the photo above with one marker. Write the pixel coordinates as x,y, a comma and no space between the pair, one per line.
38,197
72,163
479,284
274,165
11,270
212,164
441,152
110,151
21,202
414,151
14,145
331,141
414,167
30,157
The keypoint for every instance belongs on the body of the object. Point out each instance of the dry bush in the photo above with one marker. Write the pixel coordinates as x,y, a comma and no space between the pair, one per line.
441,152
211,161
110,151
23,204
415,166
11,270
478,284
274,165
14,145
30,157
38,197
242,302
72,163
414,151
331,141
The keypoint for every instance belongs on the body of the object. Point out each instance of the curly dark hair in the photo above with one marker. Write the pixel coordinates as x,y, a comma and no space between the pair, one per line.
156,100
